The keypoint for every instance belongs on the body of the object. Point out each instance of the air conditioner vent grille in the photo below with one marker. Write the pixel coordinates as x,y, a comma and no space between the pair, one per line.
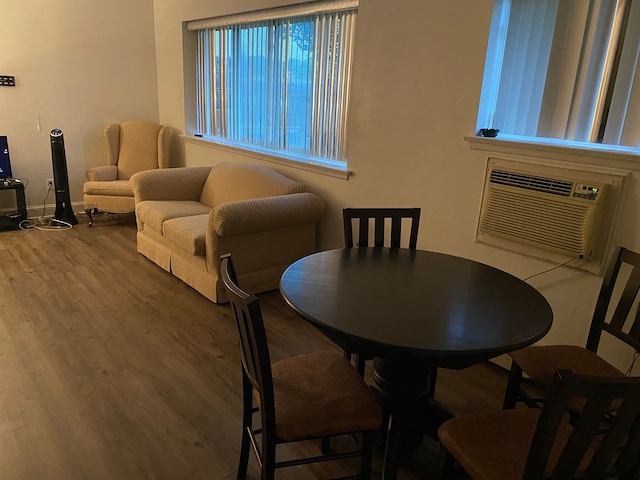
537,221
532,182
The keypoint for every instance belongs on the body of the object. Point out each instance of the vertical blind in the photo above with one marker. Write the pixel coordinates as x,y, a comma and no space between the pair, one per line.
564,69
277,83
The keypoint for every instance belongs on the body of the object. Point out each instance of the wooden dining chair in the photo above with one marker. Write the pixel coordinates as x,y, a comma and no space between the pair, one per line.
387,232
537,444
380,217
541,362
313,396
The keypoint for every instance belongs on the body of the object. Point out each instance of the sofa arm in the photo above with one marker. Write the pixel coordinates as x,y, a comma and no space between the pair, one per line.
183,183
262,214
103,173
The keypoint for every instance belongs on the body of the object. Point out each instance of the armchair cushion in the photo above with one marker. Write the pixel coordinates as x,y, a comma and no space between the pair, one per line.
117,188
103,173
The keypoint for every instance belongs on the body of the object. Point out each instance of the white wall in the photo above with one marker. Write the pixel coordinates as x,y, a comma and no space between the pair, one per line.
78,66
418,74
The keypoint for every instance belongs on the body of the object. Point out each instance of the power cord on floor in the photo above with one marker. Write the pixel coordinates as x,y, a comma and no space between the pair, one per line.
42,223
48,224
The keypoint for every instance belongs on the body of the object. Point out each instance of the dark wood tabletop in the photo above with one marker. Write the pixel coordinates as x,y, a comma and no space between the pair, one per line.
452,310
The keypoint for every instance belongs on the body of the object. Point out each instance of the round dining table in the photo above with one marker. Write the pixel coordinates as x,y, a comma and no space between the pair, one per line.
414,311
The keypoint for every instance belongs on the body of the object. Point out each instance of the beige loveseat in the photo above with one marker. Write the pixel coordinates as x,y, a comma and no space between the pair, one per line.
188,217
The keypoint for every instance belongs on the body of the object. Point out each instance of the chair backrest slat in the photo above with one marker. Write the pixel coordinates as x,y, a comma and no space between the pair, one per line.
396,227
254,349
615,436
363,233
629,293
634,331
584,431
380,217
622,311
248,347
595,449
378,236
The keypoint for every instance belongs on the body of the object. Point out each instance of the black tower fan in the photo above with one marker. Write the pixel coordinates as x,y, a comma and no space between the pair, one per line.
63,211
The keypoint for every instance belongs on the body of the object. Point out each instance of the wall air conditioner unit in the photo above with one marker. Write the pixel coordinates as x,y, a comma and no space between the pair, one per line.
548,211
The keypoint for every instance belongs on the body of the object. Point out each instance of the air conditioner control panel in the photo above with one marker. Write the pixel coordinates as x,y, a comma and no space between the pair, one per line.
588,192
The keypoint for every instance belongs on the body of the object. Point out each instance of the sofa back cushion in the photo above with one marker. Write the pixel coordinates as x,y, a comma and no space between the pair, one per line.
231,182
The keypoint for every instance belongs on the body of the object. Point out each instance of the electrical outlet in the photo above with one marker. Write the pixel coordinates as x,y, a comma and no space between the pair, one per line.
49,184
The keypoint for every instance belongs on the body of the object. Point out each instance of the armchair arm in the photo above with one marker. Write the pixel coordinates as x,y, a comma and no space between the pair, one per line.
112,139
262,214
103,173
163,147
169,183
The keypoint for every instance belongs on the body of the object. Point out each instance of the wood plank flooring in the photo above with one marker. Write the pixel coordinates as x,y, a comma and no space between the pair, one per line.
110,368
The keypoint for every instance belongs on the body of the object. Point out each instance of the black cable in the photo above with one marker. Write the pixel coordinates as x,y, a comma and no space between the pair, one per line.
636,354
44,202
545,271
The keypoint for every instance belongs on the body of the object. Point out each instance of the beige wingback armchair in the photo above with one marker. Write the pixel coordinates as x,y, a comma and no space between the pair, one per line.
132,147
188,217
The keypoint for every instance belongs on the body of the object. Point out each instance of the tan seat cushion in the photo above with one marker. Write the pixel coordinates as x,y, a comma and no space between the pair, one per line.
114,188
188,233
321,394
495,445
541,362
154,213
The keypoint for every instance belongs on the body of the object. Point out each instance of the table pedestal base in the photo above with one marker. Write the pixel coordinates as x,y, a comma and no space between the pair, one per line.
402,386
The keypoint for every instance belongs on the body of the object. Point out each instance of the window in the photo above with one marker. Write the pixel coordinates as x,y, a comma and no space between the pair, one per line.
564,70
278,80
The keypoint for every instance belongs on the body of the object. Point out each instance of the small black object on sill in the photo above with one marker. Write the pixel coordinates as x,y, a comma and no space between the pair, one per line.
489,132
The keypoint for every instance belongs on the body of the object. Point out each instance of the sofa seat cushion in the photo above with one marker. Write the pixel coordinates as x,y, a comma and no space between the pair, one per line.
153,213
114,188
188,233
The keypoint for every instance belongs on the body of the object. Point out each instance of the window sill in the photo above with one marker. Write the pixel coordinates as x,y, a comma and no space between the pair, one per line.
576,152
328,168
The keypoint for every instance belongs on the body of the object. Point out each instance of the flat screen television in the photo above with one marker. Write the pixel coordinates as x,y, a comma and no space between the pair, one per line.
5,162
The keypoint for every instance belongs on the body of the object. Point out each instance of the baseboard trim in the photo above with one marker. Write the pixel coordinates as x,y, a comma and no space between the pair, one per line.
45,210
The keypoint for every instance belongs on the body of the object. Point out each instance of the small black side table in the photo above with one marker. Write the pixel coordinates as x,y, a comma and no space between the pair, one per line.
12,221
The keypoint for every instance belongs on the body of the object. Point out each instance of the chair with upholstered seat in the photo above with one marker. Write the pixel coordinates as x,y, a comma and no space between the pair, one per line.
312,396
132,147
540,362
385,226
548,443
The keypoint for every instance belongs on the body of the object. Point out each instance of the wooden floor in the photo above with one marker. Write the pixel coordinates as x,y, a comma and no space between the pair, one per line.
110,368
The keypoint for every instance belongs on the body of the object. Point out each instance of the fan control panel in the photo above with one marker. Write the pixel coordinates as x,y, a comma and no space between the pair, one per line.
588,192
